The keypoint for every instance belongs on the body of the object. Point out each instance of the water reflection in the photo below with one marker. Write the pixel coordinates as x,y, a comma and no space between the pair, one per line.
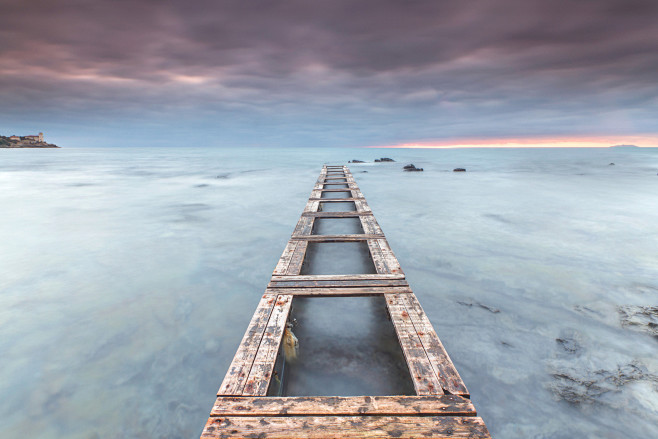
337,206
338,258
343,194
337,226
347,347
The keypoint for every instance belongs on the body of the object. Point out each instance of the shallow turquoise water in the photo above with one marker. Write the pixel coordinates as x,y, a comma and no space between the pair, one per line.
129,277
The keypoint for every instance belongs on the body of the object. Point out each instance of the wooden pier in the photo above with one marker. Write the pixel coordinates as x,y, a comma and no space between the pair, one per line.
441,407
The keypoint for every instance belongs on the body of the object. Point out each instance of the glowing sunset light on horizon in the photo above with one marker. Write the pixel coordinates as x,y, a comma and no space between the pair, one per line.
648,141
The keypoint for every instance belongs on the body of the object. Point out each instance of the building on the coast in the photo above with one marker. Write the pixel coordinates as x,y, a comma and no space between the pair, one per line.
34,138
14,137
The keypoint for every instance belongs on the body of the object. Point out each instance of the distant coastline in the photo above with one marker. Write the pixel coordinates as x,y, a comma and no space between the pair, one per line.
31,141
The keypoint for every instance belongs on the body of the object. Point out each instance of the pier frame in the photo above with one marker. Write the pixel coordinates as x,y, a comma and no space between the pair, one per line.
441,407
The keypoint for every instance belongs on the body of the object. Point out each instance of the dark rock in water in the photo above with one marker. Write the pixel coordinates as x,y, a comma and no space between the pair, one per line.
611,164
582,385
569,342
459,170
356,161
364,172
639,318
384,159
470,303
411,168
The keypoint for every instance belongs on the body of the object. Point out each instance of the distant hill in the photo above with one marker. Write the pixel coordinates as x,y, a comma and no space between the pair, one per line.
624,146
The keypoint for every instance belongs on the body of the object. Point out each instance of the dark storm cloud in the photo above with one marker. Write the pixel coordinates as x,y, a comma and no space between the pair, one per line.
364,71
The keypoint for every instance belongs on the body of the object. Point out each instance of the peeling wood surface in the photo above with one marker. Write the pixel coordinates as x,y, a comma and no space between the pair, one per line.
336,238
451,382
332,200
321,291
440,408
338,277
383,257
422,374
443,405
261,371
339,283
333,427
238,371
284,261
352,214
297,259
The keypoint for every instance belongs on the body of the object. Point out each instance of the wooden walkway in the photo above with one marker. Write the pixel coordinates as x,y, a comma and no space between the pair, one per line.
441,407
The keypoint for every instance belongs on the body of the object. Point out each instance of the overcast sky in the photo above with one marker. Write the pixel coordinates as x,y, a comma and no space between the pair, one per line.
326,72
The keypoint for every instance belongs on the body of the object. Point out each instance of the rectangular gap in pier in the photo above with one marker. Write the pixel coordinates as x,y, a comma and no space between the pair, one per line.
340,206
338,258
334,195
335,186
347,346
337,226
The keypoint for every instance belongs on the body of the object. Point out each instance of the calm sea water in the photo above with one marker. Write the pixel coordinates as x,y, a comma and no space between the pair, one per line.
129,276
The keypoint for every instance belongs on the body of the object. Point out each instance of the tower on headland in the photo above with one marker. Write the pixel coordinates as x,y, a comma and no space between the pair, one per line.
41,137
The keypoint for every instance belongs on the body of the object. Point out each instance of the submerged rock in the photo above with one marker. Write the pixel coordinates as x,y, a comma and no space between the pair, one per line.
569,342
639,318
470,303
611,164
412,168
585,385
459,170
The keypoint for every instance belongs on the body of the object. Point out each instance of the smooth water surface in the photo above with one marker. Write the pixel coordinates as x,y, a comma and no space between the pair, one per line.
338,258
129,277
337,226
347,347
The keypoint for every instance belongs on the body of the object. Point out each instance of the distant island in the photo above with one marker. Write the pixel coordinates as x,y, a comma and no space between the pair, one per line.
624,146
29,141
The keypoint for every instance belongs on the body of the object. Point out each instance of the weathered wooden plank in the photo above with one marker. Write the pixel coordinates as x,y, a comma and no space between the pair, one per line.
345,189
339,283
334,200
297,258
348,292
338,277
440,405
362,205
261,370
238,371
446,371
377,257
370,225
304,227
337,214
312,206
383,257
286,257
334,427
391,260
422,374
336,238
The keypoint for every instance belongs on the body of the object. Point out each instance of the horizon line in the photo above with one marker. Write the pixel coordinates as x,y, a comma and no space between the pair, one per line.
646,141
